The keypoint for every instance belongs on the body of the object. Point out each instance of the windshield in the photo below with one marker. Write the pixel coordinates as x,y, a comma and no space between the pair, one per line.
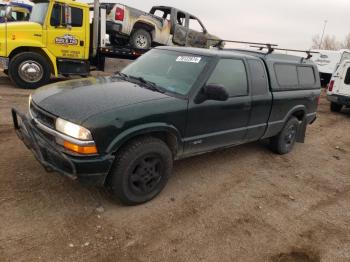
39,13
174,72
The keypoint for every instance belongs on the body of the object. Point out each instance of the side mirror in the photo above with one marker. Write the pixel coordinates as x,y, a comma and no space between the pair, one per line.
8,12
67,19
215,92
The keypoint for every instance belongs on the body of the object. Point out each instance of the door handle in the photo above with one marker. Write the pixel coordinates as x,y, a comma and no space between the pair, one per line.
81,43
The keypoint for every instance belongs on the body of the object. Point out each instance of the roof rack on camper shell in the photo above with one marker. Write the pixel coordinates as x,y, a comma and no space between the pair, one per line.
270,47
220,45
308,52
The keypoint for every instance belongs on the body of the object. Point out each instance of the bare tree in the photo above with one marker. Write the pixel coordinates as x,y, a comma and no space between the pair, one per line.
316,42
346,44
328,43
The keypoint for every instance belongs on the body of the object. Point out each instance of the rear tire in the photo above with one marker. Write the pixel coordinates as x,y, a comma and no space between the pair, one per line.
336,107
284,142
141,171
141,39
29,70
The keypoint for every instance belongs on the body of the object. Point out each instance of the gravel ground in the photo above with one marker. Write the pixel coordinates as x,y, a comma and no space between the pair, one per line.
240,204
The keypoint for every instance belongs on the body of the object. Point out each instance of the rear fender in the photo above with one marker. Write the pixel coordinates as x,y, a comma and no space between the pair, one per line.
275,127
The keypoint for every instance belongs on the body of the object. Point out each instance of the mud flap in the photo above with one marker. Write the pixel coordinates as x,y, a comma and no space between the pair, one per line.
302,131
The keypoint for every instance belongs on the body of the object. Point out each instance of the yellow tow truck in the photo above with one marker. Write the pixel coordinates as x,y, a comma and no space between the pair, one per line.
60,38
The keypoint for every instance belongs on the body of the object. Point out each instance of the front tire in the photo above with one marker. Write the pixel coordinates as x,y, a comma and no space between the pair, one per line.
336,107
141,171
284,142
141,39
29,70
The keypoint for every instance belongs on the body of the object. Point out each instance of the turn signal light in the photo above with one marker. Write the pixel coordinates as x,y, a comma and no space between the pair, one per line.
84,150
330,86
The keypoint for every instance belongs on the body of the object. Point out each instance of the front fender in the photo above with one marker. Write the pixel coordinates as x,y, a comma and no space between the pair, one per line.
145,129
52,61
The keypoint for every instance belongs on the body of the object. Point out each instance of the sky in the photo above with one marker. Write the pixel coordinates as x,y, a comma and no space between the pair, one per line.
288,23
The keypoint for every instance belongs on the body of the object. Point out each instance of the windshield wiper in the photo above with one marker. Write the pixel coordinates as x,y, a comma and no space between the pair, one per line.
124,76
148,84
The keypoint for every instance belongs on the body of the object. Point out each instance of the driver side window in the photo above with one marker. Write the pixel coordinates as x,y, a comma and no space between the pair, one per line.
232,74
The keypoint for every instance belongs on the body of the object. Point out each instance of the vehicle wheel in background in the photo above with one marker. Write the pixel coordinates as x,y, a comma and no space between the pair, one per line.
141,171
284,142
29,70
336,107
141,39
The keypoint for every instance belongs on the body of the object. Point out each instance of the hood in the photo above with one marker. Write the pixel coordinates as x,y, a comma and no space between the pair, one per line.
20,26
19,32
77,100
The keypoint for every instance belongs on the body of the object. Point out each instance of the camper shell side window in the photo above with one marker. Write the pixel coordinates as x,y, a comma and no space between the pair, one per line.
347,77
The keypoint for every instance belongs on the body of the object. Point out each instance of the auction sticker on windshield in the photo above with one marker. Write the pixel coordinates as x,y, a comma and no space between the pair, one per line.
189,59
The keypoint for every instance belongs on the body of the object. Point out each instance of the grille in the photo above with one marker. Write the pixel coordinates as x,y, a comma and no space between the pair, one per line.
42,116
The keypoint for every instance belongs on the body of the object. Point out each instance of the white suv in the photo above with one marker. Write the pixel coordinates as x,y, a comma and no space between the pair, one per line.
338,92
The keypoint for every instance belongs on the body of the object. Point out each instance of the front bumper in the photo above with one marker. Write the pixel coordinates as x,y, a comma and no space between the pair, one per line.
90,171
4,62
339,99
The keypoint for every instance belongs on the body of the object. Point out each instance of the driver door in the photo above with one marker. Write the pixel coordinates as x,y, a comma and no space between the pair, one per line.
63,40
216,124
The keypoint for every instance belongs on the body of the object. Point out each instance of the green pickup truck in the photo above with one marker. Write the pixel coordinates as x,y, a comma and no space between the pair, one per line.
124,131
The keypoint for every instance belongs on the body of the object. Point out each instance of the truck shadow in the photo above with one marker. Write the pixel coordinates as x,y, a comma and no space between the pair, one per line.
186,172
345,112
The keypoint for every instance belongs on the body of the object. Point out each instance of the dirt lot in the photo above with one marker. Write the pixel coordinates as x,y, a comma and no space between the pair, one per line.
242,204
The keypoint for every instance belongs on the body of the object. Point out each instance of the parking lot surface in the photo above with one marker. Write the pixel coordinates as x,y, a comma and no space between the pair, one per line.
240,204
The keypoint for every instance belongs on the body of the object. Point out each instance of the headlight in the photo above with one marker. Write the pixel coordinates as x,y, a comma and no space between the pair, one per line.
72,130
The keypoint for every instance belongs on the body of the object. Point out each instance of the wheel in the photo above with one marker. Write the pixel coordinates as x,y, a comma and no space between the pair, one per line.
336,107
29,70
284,142
141,171
141,39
